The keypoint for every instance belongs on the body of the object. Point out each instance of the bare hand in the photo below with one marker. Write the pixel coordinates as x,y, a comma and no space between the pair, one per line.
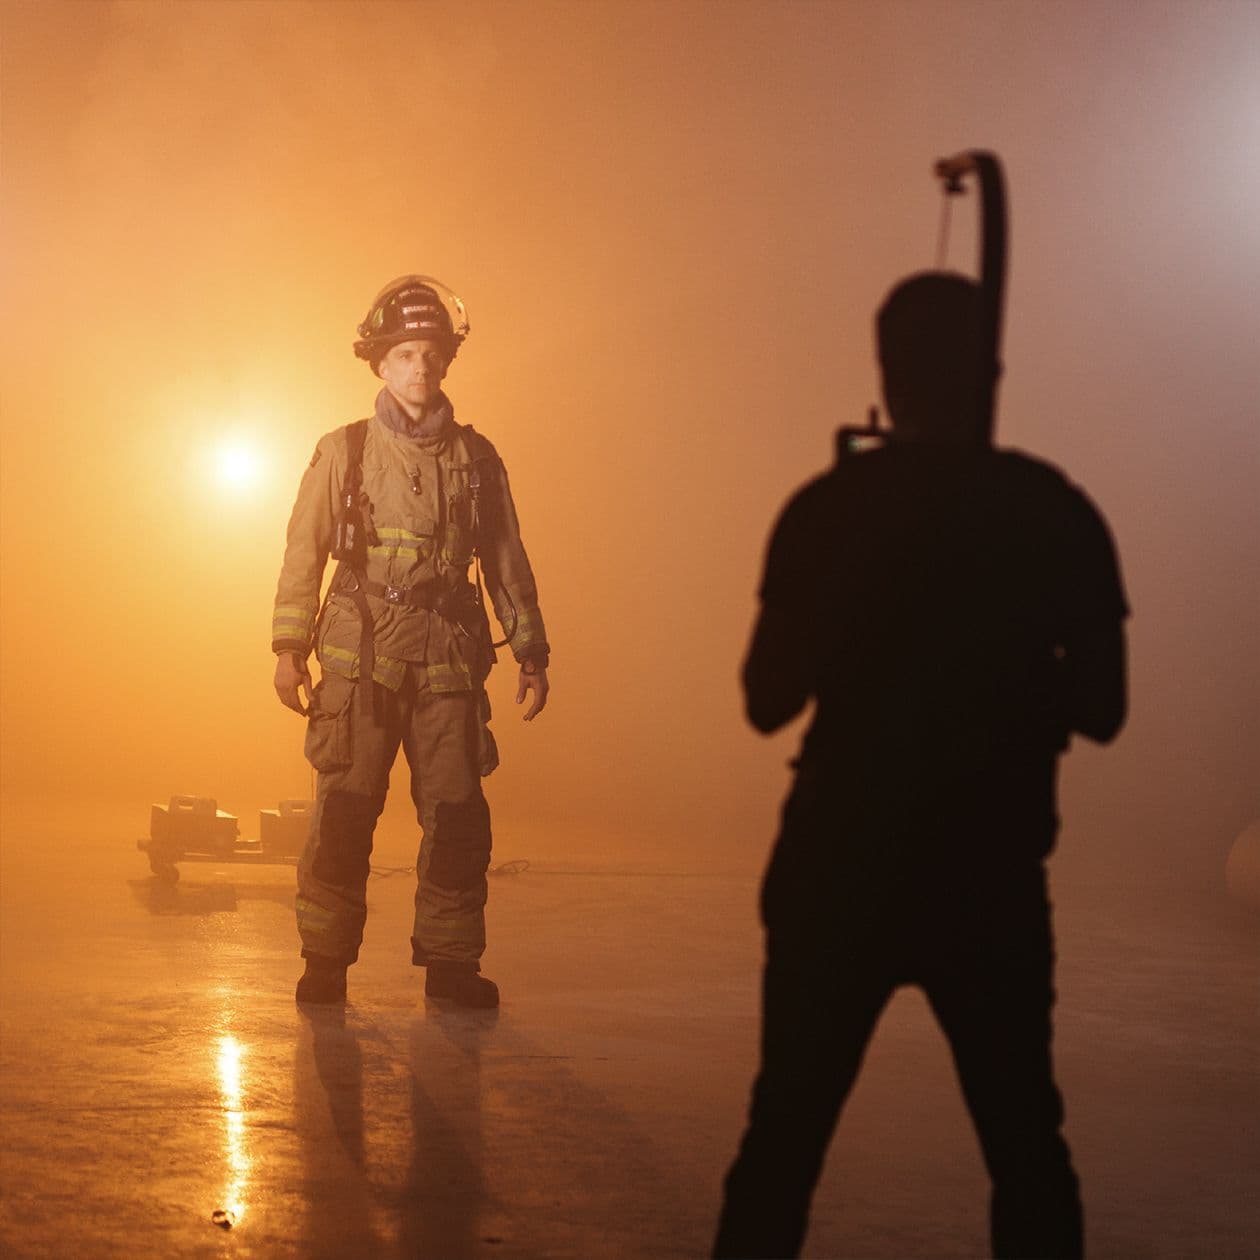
537,683
292,676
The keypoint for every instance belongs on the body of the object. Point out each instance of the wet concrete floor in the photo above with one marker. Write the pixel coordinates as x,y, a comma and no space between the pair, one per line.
155,1072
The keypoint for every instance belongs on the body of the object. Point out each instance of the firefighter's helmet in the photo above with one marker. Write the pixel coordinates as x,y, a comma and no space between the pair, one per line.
411,308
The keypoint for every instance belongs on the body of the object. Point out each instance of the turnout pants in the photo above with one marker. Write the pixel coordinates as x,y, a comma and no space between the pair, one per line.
353,752
840,939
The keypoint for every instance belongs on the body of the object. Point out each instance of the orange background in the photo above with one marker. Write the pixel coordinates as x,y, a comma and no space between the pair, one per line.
670,224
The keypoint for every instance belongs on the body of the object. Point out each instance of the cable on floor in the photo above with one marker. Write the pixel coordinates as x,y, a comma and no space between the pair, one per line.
515,867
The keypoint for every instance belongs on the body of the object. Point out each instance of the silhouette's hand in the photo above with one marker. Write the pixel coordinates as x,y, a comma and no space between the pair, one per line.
533,678
292,676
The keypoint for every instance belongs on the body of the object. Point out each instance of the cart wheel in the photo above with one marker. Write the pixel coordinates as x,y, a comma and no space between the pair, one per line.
165,872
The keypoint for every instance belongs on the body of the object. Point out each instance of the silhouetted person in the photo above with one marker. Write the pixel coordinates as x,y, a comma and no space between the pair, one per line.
956,611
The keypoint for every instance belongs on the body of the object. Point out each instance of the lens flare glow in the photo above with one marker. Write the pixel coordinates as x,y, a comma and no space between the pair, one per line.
237,466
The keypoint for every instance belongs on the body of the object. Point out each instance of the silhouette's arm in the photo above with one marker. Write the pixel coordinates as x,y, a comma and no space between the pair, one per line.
1095,684
777,673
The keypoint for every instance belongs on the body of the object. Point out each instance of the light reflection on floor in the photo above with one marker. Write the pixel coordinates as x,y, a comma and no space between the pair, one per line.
236,1157
155,1070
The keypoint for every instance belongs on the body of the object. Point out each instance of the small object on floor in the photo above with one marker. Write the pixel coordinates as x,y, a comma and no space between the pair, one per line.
223,1218
459,983
323,982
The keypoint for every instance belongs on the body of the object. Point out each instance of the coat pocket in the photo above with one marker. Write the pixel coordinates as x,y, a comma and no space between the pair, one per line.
328,734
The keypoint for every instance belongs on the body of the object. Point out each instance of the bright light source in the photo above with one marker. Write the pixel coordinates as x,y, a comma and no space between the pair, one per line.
237,466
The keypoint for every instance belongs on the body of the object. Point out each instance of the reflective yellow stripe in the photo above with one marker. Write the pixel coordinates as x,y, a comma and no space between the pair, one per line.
386,670
395,542
341,656
467,928
401,535
526,622
449,678
529,629
288,622
399,549
313,917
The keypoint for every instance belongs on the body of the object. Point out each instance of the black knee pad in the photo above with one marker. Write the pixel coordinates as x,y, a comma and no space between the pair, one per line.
345,838
461,843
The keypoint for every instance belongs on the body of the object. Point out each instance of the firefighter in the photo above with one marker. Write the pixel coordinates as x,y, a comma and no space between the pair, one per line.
416,508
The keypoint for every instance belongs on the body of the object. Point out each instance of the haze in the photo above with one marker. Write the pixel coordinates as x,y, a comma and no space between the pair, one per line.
671,225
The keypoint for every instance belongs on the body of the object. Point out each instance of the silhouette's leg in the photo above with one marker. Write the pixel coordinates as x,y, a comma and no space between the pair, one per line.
992,991
817,1018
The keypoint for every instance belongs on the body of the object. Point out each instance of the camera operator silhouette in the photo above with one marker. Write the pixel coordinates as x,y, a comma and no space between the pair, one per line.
956,612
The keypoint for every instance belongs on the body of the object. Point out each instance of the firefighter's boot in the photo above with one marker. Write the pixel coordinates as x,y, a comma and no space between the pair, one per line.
459,983
324,982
